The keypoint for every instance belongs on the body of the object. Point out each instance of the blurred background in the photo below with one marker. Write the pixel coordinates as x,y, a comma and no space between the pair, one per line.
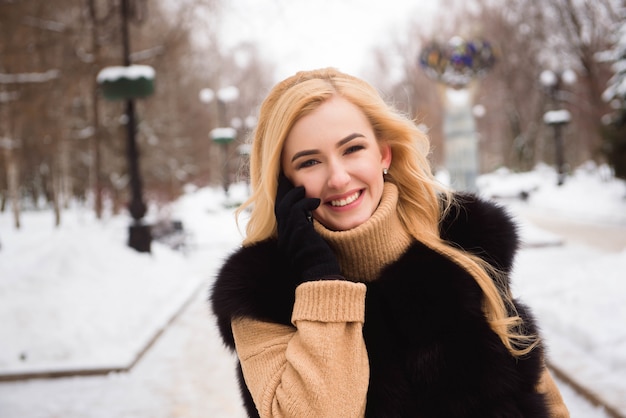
61,139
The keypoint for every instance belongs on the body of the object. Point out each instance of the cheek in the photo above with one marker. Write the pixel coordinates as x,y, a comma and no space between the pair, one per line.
375,181
372,171
311,181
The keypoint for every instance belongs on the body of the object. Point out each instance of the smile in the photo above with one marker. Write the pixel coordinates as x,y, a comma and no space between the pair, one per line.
346,201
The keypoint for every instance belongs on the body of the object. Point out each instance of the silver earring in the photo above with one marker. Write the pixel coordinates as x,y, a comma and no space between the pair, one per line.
385,171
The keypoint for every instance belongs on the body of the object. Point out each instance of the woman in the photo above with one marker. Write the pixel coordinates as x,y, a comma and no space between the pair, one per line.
363,286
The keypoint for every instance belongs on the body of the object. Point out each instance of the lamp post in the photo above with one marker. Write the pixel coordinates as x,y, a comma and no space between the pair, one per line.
245,150
456,64
557,118
127,83
223,137
224,134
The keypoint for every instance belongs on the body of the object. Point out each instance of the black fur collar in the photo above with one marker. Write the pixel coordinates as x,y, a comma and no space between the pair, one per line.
483,228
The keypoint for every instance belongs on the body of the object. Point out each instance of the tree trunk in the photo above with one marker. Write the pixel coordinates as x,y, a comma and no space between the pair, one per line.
13,185
94,169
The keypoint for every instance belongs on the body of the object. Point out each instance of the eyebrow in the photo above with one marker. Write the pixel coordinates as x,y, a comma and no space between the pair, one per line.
315,151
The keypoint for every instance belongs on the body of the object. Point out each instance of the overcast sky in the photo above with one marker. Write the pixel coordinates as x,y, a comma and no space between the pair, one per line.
307,34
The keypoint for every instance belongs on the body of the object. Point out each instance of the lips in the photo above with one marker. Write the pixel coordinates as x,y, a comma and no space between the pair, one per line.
344,202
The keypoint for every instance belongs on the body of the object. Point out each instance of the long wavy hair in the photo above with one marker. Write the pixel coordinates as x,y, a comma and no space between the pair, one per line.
422,200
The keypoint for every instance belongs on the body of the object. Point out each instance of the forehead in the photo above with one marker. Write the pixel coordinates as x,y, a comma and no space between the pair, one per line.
333,119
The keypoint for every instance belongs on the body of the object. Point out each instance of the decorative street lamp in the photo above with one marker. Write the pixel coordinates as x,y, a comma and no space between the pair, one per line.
552,82
223,137
456,64
245,150
224,134
558,119
130,82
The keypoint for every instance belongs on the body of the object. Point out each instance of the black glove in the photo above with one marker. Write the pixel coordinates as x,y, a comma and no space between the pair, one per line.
302,246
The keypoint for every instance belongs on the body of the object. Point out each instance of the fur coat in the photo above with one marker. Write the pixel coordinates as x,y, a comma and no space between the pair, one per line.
430,348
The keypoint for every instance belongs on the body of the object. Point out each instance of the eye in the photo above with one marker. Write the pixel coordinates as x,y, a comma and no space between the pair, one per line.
353,148
307,163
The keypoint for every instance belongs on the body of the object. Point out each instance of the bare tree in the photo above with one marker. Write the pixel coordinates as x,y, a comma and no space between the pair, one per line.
530,36
555,35
61,141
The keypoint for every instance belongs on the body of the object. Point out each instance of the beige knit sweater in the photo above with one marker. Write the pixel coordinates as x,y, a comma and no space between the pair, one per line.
319,367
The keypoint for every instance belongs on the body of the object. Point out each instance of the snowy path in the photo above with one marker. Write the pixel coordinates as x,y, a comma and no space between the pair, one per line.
604,237
582,275
187,374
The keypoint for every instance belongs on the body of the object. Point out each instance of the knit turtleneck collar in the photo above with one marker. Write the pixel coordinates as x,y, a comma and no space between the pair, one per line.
364,250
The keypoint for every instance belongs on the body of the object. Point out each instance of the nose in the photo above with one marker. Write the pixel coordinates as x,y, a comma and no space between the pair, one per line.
338,176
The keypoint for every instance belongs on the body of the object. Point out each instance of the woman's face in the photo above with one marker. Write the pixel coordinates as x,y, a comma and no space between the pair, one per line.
334,154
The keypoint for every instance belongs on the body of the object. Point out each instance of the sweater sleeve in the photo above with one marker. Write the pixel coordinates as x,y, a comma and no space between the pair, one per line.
316,368
556,405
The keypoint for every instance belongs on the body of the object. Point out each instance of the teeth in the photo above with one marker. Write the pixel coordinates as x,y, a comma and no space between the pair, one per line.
346,201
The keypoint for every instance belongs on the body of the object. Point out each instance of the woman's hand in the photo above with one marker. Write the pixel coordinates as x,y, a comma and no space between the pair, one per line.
303,247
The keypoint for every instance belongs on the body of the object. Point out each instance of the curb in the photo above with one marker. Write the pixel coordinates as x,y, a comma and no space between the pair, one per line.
592,397
57,374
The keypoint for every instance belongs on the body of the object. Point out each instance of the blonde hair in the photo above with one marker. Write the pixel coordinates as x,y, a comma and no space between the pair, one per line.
419,193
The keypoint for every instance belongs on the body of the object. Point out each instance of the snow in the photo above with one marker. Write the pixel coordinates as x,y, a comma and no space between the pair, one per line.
80,299
8,96
223,133
617,84
76,298
617,87
29,77
576,291
131,72
554,117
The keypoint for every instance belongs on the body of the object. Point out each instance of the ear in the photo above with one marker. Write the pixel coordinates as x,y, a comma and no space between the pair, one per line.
385,151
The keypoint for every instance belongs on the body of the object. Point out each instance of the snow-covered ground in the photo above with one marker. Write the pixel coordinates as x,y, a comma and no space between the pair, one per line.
576,291
75,298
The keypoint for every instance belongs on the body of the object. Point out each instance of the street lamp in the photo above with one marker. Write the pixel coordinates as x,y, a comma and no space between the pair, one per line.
456,64
245,150
127,83
224,134
557,118
223,137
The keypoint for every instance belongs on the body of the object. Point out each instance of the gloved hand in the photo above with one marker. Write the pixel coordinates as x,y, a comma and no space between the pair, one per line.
302,246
